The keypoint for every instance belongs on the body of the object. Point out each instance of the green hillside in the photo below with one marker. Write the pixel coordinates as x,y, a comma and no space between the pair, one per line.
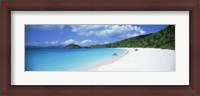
72,46
165,39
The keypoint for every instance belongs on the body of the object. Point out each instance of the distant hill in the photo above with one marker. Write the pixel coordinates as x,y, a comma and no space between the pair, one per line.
97,46
165,39
73,46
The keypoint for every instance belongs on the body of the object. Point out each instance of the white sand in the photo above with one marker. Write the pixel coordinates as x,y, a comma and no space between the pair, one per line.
145,59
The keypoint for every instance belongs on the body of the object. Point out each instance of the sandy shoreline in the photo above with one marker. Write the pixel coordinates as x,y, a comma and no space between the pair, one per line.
142,59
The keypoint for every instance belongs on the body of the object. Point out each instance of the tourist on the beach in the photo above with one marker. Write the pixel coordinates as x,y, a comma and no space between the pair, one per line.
114,54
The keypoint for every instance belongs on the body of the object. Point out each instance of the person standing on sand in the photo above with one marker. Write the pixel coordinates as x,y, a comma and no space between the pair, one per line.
127,52
114,54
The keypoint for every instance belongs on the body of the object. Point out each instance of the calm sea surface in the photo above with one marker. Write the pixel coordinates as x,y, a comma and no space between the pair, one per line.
52,59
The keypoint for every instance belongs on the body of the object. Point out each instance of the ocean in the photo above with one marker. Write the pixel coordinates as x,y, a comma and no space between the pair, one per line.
60,59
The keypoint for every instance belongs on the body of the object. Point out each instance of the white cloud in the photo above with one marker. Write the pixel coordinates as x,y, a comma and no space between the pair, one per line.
130,35
106,42
116,31
52,42
32,43
87,42
69,41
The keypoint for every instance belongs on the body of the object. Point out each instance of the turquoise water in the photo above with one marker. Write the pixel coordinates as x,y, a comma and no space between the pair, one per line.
65,59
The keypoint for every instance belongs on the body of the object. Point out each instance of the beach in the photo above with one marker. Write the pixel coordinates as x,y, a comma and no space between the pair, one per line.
142,59
101,59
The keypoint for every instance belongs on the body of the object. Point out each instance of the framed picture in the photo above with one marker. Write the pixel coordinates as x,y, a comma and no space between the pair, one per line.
120,47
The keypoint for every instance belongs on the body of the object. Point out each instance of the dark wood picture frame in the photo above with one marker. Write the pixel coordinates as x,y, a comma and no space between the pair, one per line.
99,5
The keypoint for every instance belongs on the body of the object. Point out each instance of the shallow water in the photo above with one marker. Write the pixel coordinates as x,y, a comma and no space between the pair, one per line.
51,59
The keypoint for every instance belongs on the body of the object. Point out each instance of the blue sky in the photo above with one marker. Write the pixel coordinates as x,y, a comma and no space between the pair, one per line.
84,35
